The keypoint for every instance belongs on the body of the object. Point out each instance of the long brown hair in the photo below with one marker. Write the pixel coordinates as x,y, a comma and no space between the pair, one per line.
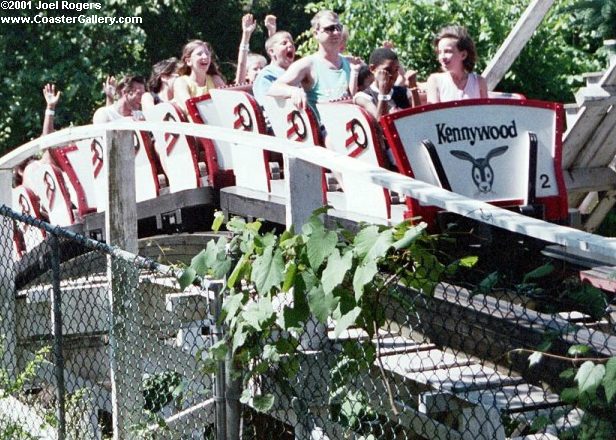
164,67
464,42
187,50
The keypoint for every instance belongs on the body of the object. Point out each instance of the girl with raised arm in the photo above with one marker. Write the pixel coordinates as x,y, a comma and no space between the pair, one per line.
457,55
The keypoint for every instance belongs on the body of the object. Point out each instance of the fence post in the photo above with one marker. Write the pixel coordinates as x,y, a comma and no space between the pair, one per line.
56,313
8,343
220,381
300,205
126,343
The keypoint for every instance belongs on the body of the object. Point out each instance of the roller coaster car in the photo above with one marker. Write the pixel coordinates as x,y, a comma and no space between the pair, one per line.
505,152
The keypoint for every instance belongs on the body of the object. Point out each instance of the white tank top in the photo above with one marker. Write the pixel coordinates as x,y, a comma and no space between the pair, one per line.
448,91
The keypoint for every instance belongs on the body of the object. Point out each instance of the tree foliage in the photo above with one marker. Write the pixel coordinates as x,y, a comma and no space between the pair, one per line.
549,68
277,283
77,57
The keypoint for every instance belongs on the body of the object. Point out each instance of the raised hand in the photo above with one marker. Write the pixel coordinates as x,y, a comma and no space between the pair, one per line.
51,96
270,24
248,24
109,89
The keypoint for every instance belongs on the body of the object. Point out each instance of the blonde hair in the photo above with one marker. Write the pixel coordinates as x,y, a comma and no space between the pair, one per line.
269,44
188,49
255,58
314,23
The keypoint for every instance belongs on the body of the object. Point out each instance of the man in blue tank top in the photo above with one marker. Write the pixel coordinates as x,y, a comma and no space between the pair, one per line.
323,76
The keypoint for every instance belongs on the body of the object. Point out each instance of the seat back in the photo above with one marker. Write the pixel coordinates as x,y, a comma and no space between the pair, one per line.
483,148
177,153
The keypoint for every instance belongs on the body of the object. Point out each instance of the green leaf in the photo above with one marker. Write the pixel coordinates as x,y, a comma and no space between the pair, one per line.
540,423
347,320
294,317
370,244
238,272
539,272
258,313
263,403
219,350
239,337
289,278
267,270
468,262
363,275
199,263
589,376
410,235
336,269
321,304
567,374
322,210
219,218
319,246
270,353
487,284
569,395
232,304
590,300
187,277
609,380
578,350
365,240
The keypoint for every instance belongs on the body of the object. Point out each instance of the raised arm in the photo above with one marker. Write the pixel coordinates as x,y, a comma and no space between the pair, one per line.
410,80
248,27
51,98
270,24
293,82
109,89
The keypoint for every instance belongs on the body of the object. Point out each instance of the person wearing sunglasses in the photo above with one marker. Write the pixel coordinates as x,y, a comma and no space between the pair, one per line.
323,76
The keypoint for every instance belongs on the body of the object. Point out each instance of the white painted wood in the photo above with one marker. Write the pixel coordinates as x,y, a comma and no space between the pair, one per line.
588,118
177,153
7,279
125,335
351,132
582,180
515,41
47,183
425,193
600,212
600,148
25,202
301,203
249,163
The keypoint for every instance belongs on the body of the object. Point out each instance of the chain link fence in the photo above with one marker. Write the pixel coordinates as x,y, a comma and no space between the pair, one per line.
97,342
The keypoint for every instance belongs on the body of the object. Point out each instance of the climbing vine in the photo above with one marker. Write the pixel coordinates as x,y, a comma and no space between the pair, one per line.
277,283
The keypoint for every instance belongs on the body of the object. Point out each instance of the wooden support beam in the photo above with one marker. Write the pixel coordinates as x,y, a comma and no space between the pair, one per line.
581,180
126,339
597,215
515,42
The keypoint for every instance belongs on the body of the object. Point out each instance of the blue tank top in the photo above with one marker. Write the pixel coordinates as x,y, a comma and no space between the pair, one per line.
328,84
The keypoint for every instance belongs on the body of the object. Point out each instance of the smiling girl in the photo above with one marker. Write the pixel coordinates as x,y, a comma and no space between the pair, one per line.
456,54
198,72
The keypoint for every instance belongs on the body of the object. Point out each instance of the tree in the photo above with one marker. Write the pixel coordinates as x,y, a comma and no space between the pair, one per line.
549,68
